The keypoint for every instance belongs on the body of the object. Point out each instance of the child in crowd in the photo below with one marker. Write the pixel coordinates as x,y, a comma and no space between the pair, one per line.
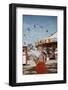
41,67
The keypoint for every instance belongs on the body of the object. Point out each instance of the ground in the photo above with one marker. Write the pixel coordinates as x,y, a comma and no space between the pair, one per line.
30,69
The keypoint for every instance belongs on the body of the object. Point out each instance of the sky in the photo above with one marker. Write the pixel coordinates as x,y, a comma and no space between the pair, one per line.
38,27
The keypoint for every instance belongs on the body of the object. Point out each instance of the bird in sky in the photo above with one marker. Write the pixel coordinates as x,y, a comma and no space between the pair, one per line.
34,25
28,29
46,30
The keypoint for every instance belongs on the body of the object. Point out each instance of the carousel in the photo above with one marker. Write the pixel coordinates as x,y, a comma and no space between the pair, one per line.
49,45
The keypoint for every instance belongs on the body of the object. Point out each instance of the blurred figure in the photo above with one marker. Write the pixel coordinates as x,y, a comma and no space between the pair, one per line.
41,67
56,53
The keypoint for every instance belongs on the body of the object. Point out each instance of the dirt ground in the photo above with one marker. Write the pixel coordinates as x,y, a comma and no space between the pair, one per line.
51,65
